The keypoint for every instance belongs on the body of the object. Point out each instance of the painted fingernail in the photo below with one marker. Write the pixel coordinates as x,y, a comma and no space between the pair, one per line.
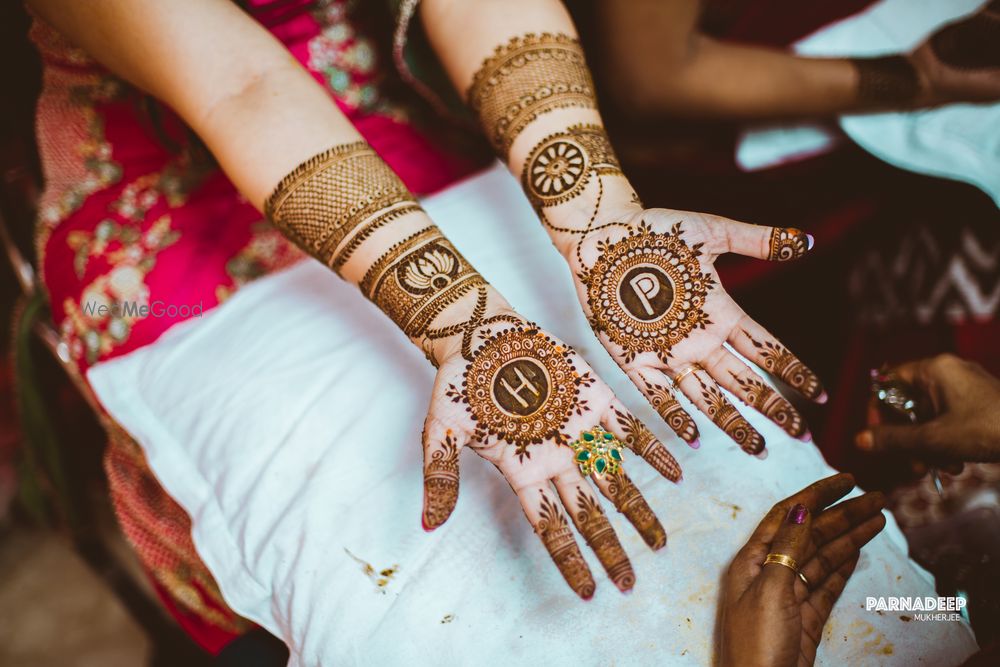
823,398
797,514
811,240
865,441
695,444
806,437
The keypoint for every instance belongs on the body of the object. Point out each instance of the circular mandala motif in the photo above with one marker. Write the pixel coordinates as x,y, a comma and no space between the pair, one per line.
647,291
556,170
521,386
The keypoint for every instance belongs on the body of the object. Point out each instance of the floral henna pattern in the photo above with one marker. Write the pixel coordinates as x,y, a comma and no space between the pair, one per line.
555,533
669,408
787,244
441,483
521,387
593,524
725,415
769,403
627,500
641,440
560,166
647,291
781,363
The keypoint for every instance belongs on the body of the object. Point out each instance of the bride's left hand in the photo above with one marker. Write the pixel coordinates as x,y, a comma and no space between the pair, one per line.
647,280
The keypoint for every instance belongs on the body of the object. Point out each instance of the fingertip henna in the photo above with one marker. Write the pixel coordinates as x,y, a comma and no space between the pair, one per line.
781,363
441,484
629,501
787,244
725,415
600,536
671,411
770,403
556,535
641,440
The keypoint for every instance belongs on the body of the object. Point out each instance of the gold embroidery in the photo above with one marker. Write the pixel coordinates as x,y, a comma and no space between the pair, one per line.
525,78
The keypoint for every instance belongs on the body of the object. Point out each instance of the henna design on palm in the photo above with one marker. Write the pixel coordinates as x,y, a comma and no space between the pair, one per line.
517,396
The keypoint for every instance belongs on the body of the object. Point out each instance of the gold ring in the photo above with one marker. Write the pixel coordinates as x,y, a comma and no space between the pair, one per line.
804,580
597,452
684,373
782,559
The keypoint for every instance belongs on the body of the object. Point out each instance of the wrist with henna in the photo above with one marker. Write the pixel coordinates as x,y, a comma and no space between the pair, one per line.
347,208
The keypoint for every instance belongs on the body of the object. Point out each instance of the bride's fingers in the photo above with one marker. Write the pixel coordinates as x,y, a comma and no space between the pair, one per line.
756,344
699,386
550,524
625,496
585,509
778,244
736,376
639,439
441,448
654,386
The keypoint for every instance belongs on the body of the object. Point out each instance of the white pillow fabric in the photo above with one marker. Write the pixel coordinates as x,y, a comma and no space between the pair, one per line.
287,423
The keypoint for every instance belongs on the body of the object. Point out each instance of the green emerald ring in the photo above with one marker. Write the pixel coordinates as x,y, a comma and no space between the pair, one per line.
597,452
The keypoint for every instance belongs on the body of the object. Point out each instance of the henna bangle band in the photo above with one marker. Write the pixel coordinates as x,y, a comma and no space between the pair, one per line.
525,78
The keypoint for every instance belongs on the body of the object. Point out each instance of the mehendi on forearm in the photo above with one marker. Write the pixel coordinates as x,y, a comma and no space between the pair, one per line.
890,81
525,78
335,204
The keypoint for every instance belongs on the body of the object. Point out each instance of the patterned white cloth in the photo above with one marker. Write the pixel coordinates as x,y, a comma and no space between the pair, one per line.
287,423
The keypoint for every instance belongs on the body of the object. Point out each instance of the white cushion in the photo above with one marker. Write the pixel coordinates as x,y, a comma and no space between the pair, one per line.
287,423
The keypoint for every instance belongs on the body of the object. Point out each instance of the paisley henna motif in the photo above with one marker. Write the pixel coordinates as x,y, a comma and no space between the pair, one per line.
557,537
627,499
441,483
725,415
600,536
769,403
669,408
641,440
778,361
